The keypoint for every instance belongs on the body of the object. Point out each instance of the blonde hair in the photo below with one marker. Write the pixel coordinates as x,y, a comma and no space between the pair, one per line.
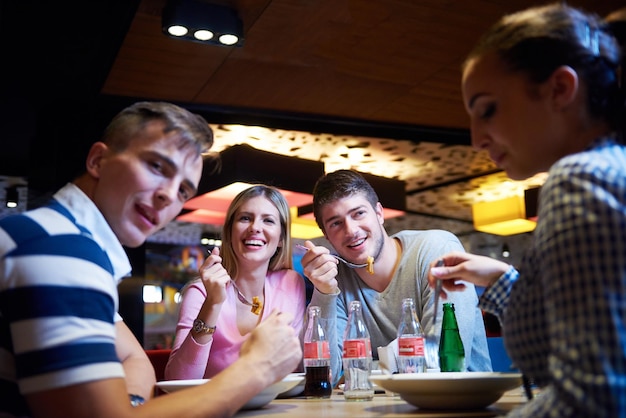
282,259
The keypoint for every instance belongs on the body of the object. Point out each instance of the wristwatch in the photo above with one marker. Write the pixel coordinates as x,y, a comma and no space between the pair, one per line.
199,327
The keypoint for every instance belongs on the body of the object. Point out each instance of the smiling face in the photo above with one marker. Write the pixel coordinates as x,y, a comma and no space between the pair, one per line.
510,118
142,188
256,230
354,227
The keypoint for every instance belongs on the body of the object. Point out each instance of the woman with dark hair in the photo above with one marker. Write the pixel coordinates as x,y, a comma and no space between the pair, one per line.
239,286
543,93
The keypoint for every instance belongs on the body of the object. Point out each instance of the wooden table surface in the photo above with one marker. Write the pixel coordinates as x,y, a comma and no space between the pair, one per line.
381,406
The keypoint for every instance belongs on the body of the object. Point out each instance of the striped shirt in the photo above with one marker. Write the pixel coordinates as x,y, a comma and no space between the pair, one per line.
59,269
564,313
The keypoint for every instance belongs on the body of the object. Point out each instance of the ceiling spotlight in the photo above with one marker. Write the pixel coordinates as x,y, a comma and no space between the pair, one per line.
12,197
205,239
204,35
177,30
210,240
228,39
199,21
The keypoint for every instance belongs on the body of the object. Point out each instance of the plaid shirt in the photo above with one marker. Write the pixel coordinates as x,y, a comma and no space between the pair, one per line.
564,313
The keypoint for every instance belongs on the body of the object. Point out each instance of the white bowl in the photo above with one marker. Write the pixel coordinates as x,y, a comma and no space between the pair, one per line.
450,390
297,390
264,397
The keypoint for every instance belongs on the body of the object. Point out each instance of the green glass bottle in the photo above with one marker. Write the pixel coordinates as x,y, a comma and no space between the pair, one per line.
451,351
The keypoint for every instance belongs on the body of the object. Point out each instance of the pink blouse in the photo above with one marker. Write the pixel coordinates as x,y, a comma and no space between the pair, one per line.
284,290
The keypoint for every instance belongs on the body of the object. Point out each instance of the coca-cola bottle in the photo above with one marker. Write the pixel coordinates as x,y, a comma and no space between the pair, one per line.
357,357
411,357
316,358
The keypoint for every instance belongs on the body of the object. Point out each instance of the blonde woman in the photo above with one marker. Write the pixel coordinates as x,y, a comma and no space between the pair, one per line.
239,286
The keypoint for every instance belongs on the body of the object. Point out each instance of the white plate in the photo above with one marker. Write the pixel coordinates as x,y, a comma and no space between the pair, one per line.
266,396
450,390
297,390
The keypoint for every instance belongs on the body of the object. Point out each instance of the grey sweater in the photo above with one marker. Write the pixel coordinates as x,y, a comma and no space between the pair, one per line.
382,310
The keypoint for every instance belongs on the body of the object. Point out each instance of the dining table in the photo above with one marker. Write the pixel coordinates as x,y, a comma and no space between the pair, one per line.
382,405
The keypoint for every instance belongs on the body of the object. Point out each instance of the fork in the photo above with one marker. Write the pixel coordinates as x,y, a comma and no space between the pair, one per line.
431,337
437,291
346,262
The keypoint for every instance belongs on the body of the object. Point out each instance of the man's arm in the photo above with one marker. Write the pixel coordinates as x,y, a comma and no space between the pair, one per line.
140,377
271,352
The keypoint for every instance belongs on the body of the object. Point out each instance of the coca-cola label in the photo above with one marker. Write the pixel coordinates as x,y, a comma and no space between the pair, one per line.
411,346
357,348
317,349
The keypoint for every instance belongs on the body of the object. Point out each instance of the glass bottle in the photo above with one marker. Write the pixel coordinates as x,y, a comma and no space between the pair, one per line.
411,358
451,351
357,357
316,358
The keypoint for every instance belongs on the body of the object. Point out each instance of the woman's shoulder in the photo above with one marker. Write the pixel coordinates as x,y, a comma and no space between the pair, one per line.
283,274
604,154
595,174
193,286
285,279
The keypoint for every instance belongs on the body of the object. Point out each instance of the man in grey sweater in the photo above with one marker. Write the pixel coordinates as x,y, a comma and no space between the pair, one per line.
348,211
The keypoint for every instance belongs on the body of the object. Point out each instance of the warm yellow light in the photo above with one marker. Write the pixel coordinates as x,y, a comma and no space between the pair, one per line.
303,231
303,228
210,208
502,217
512,227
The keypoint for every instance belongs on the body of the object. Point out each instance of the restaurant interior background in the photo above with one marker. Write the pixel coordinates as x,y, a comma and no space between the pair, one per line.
372,85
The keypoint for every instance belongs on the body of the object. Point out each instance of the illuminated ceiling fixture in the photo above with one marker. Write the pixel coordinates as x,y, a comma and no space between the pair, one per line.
210,240
391,194
506,252
12,197
198,21
510,216
243,166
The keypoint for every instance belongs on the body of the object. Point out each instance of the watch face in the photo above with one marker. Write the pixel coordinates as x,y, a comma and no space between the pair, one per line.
198,326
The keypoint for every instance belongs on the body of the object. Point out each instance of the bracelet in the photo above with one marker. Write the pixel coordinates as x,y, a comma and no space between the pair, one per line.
136,400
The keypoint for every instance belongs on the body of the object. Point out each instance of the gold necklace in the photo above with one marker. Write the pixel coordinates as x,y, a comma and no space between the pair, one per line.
256,304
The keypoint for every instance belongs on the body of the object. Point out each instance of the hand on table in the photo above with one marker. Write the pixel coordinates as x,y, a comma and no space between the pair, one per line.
273,346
